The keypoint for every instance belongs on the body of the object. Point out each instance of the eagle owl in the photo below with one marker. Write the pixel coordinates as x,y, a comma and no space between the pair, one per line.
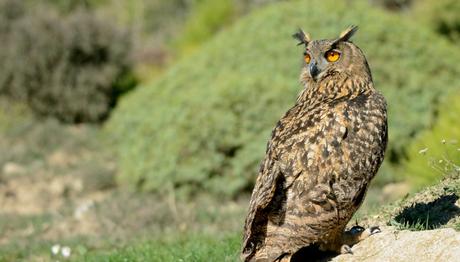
321,157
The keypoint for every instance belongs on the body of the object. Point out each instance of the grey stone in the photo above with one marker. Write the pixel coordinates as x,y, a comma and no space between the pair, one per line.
408,246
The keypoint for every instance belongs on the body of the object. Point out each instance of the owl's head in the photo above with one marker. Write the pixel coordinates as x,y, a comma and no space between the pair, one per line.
331,57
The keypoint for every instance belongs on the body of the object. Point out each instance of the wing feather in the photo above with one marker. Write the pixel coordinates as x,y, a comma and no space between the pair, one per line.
262,195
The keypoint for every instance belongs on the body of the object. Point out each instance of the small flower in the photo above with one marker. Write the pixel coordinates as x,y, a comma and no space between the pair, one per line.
66,251
55,249
423,151
443,141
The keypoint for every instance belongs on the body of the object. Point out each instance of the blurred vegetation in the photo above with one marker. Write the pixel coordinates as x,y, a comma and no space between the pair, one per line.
393,5
164,30
441,16
67,6
204,125
49,62
224,73
207,17
436,151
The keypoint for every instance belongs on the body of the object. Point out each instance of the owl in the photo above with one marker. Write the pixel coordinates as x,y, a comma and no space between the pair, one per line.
321,157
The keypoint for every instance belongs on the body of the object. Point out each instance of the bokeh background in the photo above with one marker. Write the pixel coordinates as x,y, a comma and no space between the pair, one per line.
134,129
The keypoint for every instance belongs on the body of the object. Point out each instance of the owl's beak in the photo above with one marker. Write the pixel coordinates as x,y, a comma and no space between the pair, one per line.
314,70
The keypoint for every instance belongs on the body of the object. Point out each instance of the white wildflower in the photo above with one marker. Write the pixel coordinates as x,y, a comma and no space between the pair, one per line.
66,251
55,249
443,141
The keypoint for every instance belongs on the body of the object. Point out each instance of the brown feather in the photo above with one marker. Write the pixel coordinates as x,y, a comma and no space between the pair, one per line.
303,37
347,34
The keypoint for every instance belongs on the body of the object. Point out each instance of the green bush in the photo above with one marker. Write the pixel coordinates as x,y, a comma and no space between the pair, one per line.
67,6
440,15
206,17
393,5
72,68
10,12
436,152
204,125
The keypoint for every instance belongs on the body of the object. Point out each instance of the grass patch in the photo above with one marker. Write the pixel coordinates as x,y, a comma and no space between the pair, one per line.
434,207
180,248
427,216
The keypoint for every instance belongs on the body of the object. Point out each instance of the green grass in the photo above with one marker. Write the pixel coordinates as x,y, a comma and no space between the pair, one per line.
27,225
431,208
179,248
418,225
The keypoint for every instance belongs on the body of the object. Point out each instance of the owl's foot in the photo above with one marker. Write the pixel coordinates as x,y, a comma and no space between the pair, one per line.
343,244
346,249
355,235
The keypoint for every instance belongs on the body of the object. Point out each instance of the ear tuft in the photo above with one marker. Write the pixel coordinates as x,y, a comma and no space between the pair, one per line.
347,33
303,37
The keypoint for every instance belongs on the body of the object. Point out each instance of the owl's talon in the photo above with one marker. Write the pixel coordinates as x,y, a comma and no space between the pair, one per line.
356,230
346,249
374,230
357,234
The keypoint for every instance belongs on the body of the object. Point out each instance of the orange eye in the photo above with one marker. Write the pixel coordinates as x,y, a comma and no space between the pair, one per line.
332,56
307,58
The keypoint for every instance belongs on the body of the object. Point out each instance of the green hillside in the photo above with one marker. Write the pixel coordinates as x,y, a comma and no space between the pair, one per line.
203,126
436,152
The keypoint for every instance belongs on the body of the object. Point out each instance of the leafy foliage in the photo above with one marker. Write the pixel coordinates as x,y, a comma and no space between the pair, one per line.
207,17
393,5
436,152
440,15
68,5
72,68
204,125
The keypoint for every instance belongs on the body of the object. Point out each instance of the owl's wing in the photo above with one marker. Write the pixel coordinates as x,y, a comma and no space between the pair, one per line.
262,195
270,176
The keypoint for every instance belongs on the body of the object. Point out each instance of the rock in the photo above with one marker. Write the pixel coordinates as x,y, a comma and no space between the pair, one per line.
392,245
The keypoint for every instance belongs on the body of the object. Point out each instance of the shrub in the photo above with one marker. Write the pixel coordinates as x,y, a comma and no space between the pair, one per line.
206,17
436,152
10,12
440,15
72,68
393,5
67,6
205,123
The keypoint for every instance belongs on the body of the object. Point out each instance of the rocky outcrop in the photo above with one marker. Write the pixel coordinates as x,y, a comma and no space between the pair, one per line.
407,246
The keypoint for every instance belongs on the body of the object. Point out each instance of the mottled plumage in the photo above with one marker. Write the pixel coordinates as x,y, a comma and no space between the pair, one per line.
321,157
